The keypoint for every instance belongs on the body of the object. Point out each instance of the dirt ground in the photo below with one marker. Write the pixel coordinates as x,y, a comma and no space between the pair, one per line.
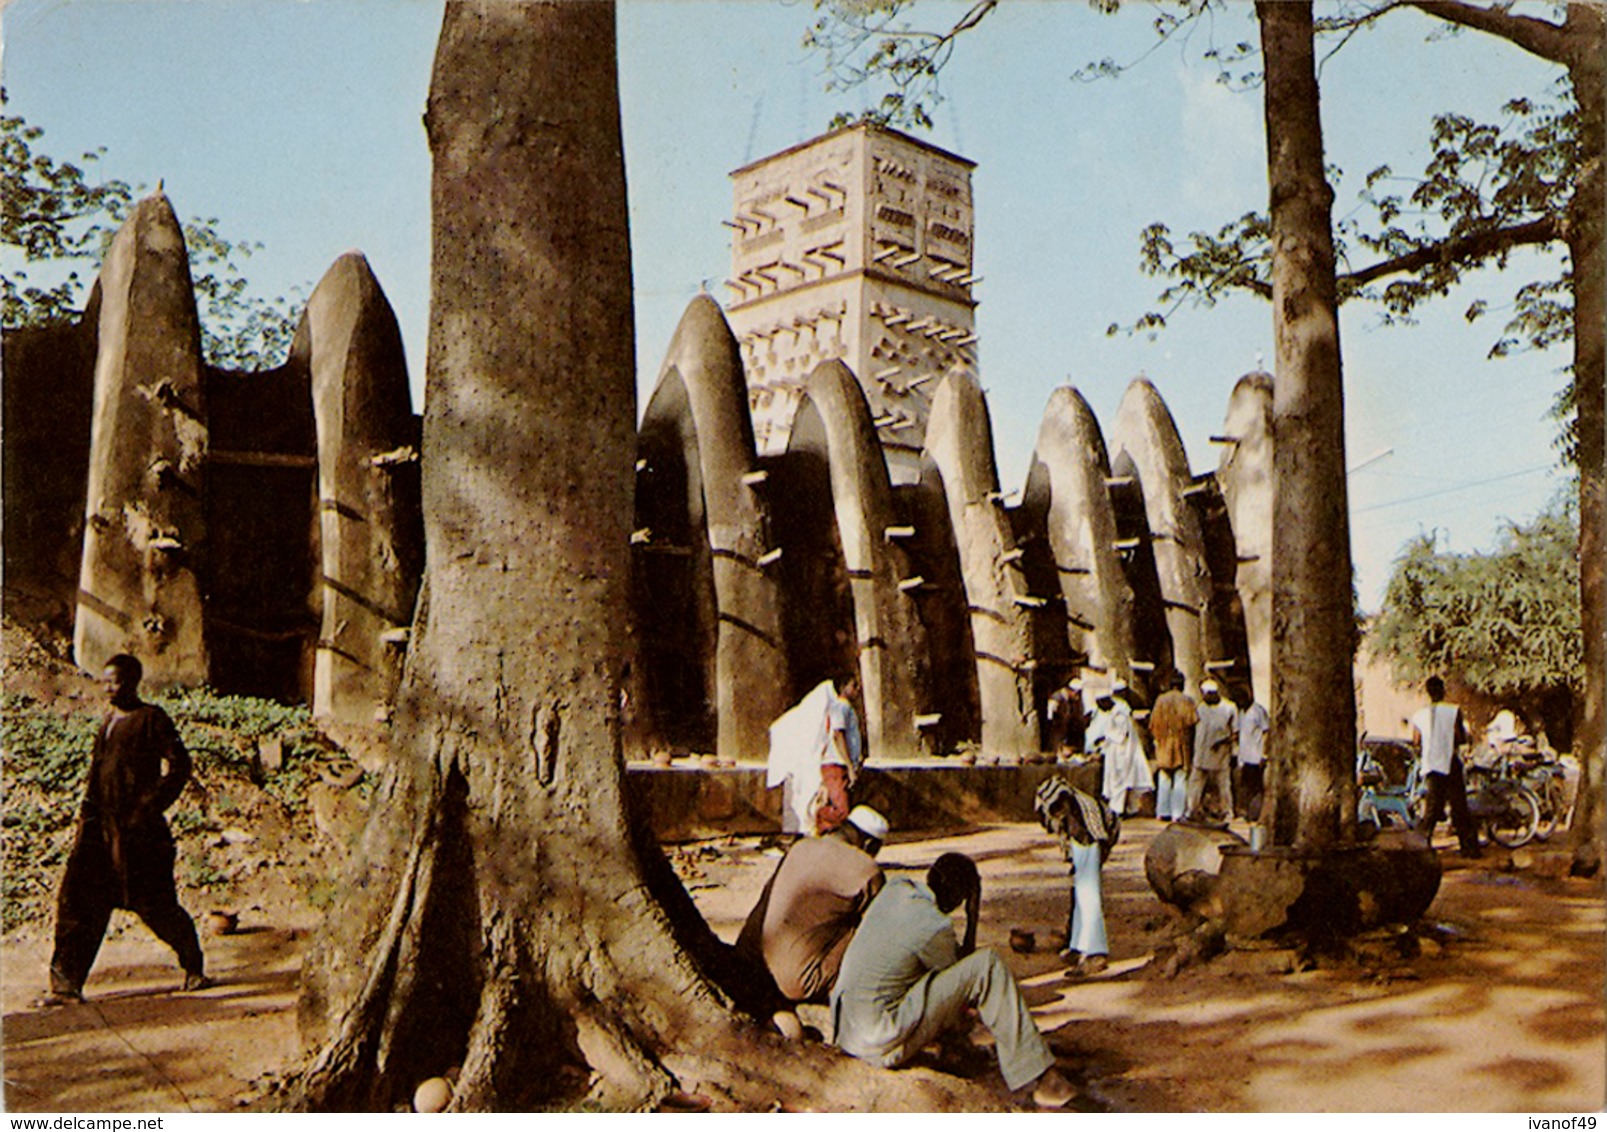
1500,1009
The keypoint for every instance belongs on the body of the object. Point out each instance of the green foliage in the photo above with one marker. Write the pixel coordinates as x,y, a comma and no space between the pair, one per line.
56,223
45,761
1505,624
872,43
1483,193
200,872
319,890
1486,191
1237,257
1481,180
869,41
210,725
42,751
49,212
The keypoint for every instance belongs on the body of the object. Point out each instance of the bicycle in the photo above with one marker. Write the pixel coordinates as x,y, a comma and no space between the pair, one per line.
1502,806
1540,772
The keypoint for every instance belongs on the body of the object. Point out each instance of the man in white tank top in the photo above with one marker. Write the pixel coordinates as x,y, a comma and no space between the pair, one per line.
1439,731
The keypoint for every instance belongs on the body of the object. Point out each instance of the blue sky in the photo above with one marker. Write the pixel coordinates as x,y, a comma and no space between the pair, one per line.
298,123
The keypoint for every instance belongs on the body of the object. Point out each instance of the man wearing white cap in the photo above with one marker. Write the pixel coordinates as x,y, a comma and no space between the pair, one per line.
1215,736
808,911
1064,715
1112,736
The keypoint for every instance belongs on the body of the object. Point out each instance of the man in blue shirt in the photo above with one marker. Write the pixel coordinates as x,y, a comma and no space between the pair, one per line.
904,981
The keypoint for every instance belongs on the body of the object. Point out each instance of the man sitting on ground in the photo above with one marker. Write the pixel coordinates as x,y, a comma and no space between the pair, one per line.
803,921
904,981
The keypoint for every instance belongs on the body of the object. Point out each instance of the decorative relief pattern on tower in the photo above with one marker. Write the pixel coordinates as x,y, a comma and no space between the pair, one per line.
854,247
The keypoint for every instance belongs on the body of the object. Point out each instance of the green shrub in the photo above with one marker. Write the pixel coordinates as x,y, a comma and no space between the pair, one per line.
41,750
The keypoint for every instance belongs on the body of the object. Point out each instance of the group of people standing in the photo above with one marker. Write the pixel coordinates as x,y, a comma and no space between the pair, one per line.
1197,746
829,926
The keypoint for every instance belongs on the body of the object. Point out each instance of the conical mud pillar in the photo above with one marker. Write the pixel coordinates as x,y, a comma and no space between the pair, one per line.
959,444
928,536
1147,435
1068,500
890,640
708,605
1245,479
371,526
140,584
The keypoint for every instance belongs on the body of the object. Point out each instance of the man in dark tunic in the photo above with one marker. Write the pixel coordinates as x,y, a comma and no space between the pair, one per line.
122,856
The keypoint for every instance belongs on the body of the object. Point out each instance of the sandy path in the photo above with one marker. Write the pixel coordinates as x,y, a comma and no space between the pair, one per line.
1505,1015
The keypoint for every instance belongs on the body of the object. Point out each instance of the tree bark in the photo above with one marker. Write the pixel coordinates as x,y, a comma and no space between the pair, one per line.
1313,738
1589,271
505,916
501,922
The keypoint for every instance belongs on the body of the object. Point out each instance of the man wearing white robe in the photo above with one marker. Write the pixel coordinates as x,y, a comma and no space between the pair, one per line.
821,729
1112,736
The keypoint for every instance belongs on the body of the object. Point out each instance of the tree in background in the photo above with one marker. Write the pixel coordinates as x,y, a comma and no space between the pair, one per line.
56,219
1311,777
1488,190
1503,624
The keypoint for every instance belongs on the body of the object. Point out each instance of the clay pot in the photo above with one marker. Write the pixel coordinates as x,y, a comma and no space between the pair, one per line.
661,758
341,775
432,1095
1022,940
219,922
967,758
686,1102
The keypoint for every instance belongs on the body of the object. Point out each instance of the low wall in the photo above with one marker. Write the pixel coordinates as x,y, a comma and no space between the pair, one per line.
689,803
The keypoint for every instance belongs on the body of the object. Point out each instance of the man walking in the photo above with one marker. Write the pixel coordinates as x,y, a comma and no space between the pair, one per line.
905,981
1087,830
122,855
1438,731
842,758
1171,724
816,752
1113,736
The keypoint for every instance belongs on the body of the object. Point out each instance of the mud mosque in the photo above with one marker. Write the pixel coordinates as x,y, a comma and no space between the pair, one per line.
816,490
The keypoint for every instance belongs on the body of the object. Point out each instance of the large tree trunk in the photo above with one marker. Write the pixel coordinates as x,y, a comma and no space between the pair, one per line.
505,916
1313,700
1590,375
503,923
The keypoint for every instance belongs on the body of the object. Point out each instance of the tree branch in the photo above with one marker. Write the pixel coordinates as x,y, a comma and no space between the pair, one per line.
1475,246
1538,37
